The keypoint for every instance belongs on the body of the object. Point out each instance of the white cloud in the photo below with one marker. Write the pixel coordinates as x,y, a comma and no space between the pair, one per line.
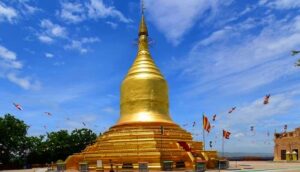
49,55
21,10
10,65
97,9
256,111
50,32
24,82
246,62
90,39
6,54
93,9
72,12
281,4
215,36
52,29
80,45
174,18
264,118
228,32
45,39
77,45
238,135
29,9
9,59
112,24
7,13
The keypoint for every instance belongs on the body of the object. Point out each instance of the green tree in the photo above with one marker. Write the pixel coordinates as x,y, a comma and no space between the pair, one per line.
58,145
13,141
37,153
80,138
16,148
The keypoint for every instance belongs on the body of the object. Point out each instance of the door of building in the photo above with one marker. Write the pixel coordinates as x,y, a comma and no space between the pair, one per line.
283,155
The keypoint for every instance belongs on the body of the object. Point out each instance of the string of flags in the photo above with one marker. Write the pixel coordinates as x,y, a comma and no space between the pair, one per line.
226,134
206,123
20,108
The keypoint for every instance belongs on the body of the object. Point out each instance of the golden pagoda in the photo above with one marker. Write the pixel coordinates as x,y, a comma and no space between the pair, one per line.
145,131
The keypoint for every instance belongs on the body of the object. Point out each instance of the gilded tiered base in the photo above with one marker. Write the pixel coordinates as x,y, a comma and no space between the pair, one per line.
143,142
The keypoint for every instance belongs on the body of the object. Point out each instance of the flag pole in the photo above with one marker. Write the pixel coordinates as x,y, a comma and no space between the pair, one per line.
203,131
223,145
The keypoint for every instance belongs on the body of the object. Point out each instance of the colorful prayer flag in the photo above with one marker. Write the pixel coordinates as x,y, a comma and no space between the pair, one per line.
285,127
266,99
206,124
48,113
19,107
232,109
214,117
226,134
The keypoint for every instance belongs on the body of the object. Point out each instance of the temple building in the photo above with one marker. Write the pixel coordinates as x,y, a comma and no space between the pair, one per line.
287,146
145,131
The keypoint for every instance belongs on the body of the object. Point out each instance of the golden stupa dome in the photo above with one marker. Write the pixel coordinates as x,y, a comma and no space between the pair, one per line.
144,91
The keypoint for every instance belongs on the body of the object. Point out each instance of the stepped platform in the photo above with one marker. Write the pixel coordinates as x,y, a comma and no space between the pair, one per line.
143,142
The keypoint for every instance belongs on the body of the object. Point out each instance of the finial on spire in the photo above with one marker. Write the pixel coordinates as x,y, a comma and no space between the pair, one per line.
143,28
142,6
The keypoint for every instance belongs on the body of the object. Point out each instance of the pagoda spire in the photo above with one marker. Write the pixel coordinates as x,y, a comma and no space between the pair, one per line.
144,91
143,64
143,27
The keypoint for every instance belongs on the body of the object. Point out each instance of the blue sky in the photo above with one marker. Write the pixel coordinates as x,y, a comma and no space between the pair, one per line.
69,58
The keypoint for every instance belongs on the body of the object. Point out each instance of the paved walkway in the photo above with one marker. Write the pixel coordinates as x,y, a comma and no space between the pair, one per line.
237,166
27,170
